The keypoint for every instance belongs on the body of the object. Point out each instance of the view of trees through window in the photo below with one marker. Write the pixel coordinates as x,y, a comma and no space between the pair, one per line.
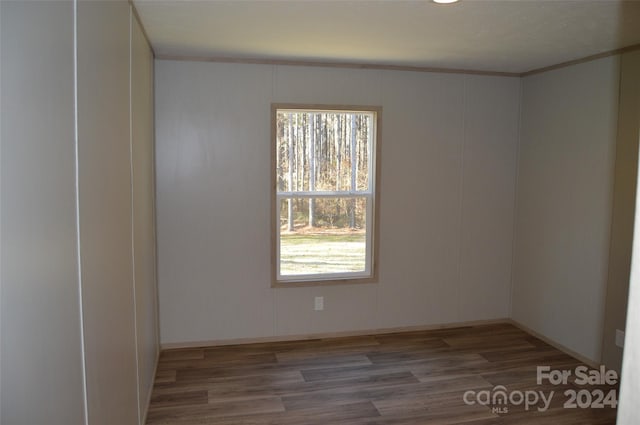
324,189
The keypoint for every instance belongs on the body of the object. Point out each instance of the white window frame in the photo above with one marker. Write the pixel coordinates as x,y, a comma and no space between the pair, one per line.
370,274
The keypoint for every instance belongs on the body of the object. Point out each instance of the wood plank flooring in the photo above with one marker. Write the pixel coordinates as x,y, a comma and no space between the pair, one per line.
402,378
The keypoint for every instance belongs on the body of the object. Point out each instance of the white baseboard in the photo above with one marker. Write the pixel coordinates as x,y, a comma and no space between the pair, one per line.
380,331
555,344
302,337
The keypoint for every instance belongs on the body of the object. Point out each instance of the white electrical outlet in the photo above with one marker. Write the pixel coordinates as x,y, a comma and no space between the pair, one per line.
619,338
319,304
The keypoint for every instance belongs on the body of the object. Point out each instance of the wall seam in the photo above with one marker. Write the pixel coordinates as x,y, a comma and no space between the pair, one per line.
515,197
461,195
155,214
83,356
132,216
378,173
1,363
274,291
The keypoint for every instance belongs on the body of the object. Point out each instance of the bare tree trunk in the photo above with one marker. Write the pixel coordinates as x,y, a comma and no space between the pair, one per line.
290,188
302,142
338,148
312,168
336,133
354,170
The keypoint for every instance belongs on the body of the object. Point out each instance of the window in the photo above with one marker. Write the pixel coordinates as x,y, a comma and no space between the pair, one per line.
324,197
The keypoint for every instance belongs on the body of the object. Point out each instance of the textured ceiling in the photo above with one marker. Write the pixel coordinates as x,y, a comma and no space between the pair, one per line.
485,35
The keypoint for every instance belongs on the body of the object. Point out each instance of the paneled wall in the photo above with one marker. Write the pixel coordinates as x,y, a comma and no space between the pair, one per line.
41,345
79,313
446,204
565,194
79,319
105,211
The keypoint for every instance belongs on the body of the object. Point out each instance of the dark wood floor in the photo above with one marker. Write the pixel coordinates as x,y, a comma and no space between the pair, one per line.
401,378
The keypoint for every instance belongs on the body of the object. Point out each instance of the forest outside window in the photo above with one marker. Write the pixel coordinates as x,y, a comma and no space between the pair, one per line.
324,199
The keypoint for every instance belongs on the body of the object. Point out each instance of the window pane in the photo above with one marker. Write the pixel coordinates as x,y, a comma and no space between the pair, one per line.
322,235
323,150
363,151
292,152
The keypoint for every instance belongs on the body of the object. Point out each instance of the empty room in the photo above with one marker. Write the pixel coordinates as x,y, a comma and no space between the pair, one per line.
319,212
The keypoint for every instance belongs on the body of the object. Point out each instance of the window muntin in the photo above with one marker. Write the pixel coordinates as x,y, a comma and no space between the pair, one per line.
324,201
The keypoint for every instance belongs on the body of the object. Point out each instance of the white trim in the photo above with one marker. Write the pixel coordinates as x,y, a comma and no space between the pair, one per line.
278,242
83,365
132,216
379,331
322,194
555,344
368,260
328,64
320,277
328,110
325,335
352,193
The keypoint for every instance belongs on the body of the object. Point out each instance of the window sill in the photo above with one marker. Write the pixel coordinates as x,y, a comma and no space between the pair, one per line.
332,282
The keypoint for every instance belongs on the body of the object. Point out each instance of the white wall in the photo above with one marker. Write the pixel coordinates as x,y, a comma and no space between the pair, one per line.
42,276
564,201
447,199
628,413
41,349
